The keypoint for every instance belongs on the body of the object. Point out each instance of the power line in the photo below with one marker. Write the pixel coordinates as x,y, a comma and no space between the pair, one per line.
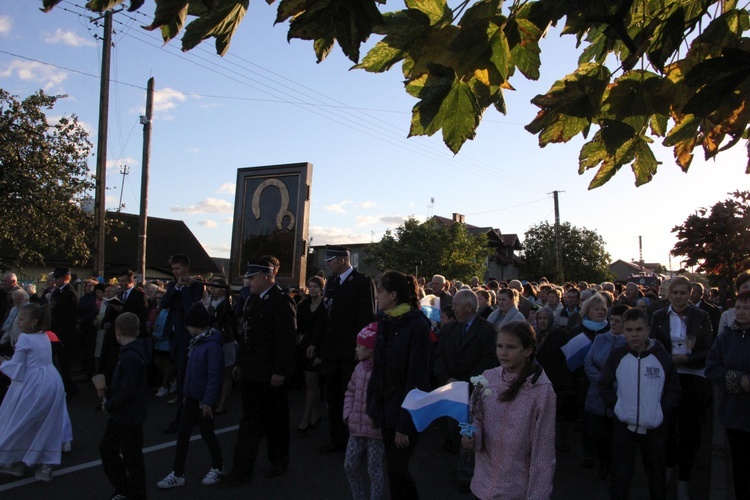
325,109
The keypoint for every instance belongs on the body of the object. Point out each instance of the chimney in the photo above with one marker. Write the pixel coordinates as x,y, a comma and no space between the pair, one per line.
459,218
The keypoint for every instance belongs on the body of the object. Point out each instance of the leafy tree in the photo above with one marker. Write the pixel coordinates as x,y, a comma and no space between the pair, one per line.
43,178
717,240
584,255
673,71
434,247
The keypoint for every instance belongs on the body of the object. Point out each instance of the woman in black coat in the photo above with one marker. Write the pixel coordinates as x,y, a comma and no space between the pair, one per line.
401,363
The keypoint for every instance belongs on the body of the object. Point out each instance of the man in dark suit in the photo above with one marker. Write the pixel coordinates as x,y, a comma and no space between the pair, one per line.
350,300
265,363
133,298
697,297
466,348
64,316
180,296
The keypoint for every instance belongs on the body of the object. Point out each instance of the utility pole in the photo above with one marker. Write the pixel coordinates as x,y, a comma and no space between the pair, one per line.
640,251
124,170
558,239
146,165
101,147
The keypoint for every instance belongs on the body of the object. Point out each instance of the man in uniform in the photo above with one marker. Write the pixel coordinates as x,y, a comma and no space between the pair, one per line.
64,316
350,300
265,363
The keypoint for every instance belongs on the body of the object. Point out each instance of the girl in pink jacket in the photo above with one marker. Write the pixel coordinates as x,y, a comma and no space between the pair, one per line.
514,444
363,437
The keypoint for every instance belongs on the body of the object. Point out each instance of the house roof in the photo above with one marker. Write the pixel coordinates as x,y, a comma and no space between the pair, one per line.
494,235
165,237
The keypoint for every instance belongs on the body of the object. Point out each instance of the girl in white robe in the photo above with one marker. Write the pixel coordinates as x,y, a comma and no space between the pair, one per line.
34,419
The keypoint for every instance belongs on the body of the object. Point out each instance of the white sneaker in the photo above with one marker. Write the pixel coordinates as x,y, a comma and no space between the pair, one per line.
163,391
173,387
43,473
17,469
212,477
171,481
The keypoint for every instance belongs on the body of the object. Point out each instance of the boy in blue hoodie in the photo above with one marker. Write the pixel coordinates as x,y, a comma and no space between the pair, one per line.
203,380
126,403
639,382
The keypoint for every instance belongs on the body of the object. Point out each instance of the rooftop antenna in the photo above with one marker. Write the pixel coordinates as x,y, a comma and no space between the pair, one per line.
431,206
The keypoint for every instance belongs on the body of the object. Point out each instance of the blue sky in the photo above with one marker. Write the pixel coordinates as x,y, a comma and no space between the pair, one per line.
267,102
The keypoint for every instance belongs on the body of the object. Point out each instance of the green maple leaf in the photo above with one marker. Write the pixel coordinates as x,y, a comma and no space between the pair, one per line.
445,103
98,5
170,16
349,21
220,22
523,39
436,10
403,30
571,104
612,147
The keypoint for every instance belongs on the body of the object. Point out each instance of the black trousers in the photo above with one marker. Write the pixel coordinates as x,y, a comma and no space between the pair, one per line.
599,429
684,427
192,415
265,412
739,444
400,482
337,373
625,445
69,352
121,451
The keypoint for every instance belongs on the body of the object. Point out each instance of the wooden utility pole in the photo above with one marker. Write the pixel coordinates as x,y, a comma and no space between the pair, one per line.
101,147
558,241
146,164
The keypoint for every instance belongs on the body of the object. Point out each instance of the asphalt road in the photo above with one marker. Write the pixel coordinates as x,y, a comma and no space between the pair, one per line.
311,475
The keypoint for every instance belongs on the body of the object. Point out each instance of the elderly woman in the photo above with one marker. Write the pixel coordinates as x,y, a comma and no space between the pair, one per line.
11,329
685,331
594,322
728,366
741,284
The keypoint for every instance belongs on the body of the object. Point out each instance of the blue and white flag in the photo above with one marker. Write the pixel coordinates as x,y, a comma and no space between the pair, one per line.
575,351
450,400
432,313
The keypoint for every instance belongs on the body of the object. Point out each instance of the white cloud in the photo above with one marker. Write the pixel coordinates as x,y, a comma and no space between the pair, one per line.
337,235
228,220
218,250
69,38
6,25
367,220
209,205
370,220
367,204
194,151
227,187
31,71
126,160
396,220
167,99
208,223
337,208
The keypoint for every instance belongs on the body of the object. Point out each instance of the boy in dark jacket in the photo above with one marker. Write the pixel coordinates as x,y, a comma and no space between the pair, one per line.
639,383
126,402
203,380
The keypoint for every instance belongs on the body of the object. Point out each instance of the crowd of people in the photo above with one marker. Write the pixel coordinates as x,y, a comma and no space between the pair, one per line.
631,367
